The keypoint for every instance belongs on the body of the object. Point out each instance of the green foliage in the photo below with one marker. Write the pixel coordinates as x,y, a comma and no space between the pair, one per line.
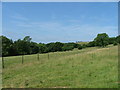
80,47
42,48
50,47
84,45
91,44
26,46
68,46
27,39
115,43
118,39
22,47
58,46
102,40
7,46
34,48
18,47
74,45
112,40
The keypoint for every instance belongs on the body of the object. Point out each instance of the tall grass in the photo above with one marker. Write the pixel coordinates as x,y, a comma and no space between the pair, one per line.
87,68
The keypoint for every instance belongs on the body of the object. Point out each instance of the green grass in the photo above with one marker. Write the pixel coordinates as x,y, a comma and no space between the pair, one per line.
87,68
82,43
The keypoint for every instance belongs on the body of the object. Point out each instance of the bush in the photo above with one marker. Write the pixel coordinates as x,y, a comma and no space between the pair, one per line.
115,43
67,47
80,47
84,46
91,44
101,40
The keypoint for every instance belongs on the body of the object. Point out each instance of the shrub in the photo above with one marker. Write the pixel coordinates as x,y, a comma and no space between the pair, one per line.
80,47
115,43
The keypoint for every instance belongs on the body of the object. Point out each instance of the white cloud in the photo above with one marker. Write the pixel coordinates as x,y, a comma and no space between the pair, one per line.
75,30
19,17
59,31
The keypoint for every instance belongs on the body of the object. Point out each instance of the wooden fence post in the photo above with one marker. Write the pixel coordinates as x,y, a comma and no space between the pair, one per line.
3,63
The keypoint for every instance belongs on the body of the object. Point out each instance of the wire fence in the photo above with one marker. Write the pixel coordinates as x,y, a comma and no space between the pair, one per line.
24,59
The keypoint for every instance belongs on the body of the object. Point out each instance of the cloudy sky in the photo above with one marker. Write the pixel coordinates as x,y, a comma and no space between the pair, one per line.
59,21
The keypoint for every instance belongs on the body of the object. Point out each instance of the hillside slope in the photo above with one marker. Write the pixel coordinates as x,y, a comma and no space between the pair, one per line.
87,68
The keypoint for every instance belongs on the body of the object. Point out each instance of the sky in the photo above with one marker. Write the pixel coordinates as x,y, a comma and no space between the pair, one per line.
60,0
59,21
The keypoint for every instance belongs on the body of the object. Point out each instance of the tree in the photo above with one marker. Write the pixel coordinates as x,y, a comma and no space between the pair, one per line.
27,39
50,47
34,48
58,46
20,47
72,44
26,46
6,45
115,43
91,44
102,40
53,47
42,48
23,46
118,39
67,47
112,40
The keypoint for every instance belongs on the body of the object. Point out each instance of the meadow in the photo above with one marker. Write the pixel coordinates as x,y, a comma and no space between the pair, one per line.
87,68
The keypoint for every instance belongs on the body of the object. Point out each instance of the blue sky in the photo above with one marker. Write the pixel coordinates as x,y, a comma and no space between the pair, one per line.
59,21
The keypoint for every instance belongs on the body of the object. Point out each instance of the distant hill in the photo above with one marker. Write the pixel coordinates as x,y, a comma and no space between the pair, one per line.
81,42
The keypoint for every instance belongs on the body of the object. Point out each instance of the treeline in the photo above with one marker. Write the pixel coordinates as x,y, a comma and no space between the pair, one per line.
26,46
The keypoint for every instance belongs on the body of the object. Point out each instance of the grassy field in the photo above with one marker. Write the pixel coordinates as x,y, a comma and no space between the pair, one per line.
87,68
82,43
